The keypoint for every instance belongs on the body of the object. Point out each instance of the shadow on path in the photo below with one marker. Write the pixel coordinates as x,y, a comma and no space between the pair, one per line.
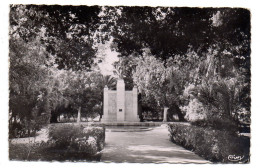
151,146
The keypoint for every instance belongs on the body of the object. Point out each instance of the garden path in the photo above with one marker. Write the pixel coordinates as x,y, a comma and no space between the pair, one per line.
151,146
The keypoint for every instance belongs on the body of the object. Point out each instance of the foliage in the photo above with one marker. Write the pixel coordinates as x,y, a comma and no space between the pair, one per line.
27,128
77,138
124,68
28,91
31,151
60,28
51,47
217,124
220,100
46,151
191,44
150,76
83,91
108,81
195,58
243,116
211,144
218,86
194,111
171,31
159,84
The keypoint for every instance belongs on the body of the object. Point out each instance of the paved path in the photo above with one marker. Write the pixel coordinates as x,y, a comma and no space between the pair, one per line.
146,147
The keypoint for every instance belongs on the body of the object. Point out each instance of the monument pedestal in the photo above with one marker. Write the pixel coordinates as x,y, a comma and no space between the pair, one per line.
120,97
120,105
105,105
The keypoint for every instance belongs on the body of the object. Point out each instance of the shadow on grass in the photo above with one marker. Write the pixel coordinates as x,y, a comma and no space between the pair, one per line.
41,152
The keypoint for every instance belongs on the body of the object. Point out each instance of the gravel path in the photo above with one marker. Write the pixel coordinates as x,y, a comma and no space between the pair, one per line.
146,147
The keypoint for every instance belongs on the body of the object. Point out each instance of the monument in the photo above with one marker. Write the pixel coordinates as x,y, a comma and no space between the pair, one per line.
120,105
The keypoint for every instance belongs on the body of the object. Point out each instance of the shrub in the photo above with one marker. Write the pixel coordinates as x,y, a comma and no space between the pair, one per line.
45,151
213,145
221,99
27,128
216,123
77,138
29,151
194,111
243,115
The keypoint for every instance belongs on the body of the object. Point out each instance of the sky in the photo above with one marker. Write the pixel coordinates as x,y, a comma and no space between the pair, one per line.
108,57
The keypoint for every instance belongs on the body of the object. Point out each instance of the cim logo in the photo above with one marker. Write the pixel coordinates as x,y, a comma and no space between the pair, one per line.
235,158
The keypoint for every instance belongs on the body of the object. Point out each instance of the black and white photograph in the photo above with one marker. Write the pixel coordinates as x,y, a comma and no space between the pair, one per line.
129,84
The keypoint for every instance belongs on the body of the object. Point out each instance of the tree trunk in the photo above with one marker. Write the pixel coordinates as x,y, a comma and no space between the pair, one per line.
78,119
180,116
54,117
48,110
140,110
165,109
176,110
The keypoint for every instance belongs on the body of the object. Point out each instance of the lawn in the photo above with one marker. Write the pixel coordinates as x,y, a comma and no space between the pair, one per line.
33,152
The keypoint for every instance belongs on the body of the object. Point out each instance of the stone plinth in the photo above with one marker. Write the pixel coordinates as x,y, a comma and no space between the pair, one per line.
105,104
135,105
120,105
120,95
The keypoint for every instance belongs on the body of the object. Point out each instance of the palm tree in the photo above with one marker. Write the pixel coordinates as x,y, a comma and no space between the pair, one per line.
109,81
119,69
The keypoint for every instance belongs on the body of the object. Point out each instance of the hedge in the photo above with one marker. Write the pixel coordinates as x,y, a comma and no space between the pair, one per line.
71,142
77,138
214,145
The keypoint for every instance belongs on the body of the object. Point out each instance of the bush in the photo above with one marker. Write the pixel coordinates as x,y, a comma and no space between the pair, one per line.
217,124
243,115
77,138
194,111
45,151
213,145
27,128
30,151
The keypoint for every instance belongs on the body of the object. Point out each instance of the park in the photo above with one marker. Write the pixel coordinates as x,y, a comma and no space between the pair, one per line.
129,84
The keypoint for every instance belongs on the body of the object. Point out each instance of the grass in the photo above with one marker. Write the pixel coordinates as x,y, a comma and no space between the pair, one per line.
43,152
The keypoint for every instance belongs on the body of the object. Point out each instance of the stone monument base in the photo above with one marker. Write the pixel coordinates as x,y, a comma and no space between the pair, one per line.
120,105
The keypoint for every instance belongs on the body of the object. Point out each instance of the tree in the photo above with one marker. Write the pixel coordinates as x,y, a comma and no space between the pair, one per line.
124,68
61,29
157,82
163,50
171,31
200,41
27,73
38,36
107,80
71,31
98,82
27,76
